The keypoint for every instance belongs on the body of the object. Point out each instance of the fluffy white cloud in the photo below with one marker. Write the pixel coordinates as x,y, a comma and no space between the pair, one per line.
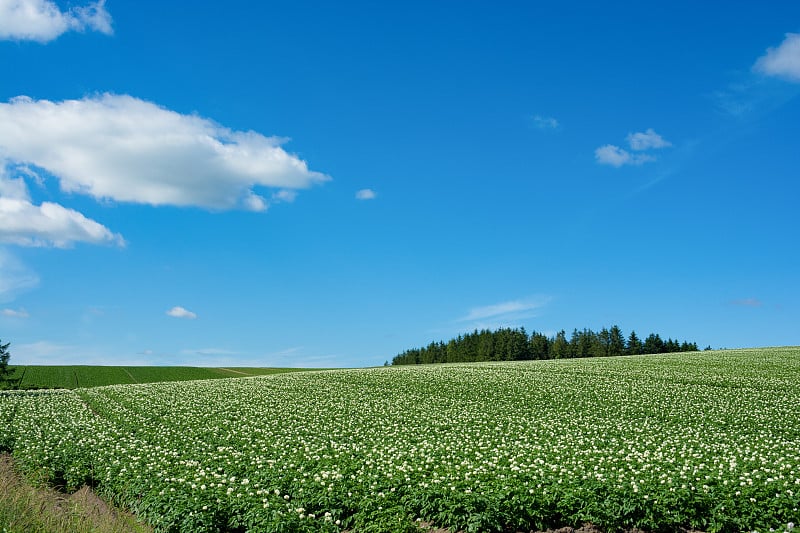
616,156
43,21
646,140
12,187
180,312
122,148
366,194
49,224
611,154
783,61
14,277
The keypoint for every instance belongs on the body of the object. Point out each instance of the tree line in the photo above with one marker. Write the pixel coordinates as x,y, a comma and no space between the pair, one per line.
508,344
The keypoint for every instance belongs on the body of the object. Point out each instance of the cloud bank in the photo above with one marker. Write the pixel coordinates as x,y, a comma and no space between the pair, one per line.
117,147
783,61
43,21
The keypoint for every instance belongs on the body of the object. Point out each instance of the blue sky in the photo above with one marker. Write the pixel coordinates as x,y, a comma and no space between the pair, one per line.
329,184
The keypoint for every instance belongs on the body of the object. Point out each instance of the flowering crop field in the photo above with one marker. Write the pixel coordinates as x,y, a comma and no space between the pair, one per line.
708,440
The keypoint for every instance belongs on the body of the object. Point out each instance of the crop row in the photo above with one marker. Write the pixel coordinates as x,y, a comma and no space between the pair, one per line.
708,441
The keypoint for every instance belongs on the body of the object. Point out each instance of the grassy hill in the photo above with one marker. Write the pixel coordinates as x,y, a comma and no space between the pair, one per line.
79,376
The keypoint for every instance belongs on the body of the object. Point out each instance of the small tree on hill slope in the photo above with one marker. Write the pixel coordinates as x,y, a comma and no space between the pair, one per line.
5,355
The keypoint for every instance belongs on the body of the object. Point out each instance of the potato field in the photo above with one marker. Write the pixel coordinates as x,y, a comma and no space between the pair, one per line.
703,440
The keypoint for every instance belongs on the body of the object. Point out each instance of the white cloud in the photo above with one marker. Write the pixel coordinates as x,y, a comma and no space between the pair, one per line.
646,140
12,187
49,224
180,312
616,156
783,61
15,313
611,154
366,194
14,277
510,309
43,21
121,148
545,123
284,196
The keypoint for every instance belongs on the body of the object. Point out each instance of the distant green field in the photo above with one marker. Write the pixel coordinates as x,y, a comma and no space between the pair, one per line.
79,376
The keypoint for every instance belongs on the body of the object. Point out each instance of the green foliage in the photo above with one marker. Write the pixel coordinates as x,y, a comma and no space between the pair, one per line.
6,371
75,376
707,441
508,344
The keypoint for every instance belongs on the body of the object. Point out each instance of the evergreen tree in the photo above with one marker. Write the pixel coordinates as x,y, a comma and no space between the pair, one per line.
581,343
5,355
653,344
517,345
507,344
616,343
635,345
539,346
559,347
453,354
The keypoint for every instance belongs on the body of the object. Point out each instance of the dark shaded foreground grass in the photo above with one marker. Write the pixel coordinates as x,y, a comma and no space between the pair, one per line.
28,509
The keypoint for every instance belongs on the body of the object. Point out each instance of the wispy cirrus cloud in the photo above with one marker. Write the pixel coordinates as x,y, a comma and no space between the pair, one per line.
43,20
747,302
15,277
504,313
48,352
782,61
207,351
15,313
